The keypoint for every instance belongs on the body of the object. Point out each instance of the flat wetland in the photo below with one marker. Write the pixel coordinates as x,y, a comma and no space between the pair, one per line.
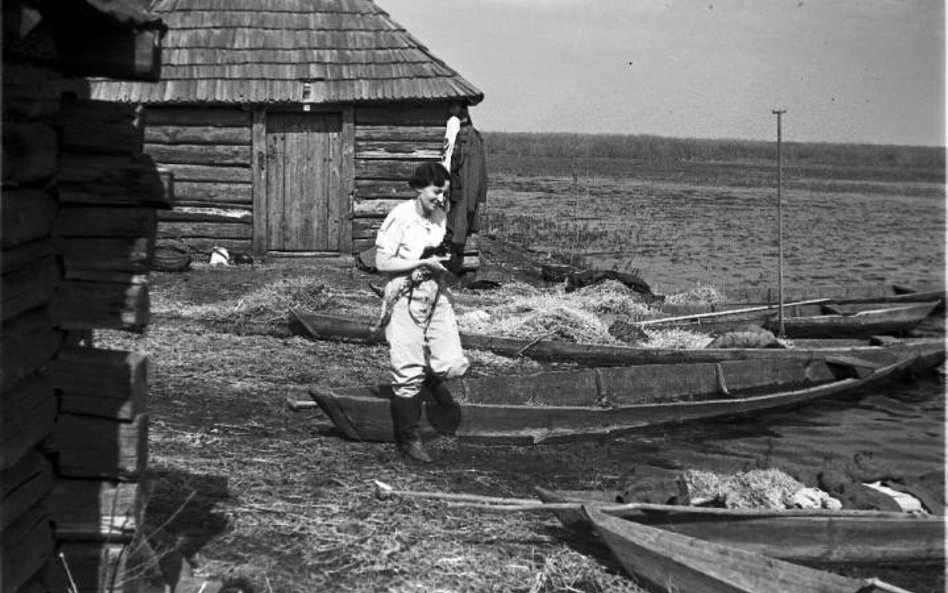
243,490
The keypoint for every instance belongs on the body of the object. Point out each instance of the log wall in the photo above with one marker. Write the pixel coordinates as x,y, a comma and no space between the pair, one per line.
79,219
209,152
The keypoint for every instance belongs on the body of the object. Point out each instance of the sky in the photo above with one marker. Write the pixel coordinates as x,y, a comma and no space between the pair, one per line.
852,71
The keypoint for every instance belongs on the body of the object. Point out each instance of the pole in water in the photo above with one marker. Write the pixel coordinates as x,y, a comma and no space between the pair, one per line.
780,331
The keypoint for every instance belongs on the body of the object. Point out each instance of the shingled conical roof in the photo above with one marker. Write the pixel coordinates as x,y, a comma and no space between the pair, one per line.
267,51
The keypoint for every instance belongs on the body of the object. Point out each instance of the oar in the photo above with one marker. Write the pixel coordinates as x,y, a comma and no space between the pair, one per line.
731,312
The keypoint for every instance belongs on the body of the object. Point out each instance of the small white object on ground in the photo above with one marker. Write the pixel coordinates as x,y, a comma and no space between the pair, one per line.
220,257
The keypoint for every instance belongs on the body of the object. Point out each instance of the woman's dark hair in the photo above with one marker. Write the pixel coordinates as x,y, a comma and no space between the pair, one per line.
429,173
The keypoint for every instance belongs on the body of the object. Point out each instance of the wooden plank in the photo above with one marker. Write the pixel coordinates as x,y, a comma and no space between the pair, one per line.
30,152
276,174
28,215
113,180
24,255
402,114
98,382
200,214
378,149
299,184
27,546
366,228
199,154
400,169
219,174
27,417
91,447
214,192
203,245
104,221
346,186
213,230
391,133
95,510
100,305
196,116
193,134
129,254
30,287
101,127
384,189
652,383
29,342
25,484
259,172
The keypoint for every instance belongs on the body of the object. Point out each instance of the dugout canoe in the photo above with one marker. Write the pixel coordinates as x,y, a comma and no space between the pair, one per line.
811,320
928,352
743,296
811,536
673,562
602,402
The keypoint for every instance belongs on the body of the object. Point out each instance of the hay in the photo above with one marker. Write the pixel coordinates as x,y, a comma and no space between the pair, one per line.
756,489
703,294
676,339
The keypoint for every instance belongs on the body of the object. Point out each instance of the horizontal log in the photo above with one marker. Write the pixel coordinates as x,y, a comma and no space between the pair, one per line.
211,230
91,447
101,127
196,154
366,227
91,510
105,221
432,133
203,246
30,152
375,149
100,305
193,134
402,115
400,169
210,173
367,207
212,192
29,342
24,255
98,382
28,215
26,418
27,546
196,116
24,484
381,188
200,214
114,180
30,287
30,92
128,254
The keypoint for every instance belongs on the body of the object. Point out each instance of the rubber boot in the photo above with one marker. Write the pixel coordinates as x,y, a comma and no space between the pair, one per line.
406,412
440,392
446,416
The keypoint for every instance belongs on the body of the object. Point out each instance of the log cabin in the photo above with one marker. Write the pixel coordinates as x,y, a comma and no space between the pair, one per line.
79,203
290,126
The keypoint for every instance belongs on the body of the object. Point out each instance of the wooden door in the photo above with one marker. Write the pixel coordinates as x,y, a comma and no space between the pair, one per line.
305,197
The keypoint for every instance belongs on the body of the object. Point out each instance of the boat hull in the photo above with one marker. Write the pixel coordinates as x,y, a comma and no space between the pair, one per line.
818,537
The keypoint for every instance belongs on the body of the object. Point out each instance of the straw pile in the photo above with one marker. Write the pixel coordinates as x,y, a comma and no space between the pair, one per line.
756,489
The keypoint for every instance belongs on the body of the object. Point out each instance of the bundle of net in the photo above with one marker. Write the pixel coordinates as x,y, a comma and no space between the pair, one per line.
755,489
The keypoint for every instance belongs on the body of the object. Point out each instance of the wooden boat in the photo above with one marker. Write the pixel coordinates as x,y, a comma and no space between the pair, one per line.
810,536
685,564
810,319
928,352
602,402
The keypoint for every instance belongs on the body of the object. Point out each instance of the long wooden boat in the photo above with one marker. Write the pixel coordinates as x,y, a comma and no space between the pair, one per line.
811,319
602,402
684,564
928,352
742,296
810,536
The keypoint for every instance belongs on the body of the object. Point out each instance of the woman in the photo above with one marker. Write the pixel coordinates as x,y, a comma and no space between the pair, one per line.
418,319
